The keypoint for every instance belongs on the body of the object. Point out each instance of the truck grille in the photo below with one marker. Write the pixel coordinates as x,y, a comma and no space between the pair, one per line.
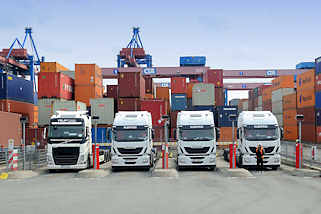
65,155
130,151
196,150
253,149
266,149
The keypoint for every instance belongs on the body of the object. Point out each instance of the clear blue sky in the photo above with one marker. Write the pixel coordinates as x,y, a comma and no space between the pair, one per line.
231,34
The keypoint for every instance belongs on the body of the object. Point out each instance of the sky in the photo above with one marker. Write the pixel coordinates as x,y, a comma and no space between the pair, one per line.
231,34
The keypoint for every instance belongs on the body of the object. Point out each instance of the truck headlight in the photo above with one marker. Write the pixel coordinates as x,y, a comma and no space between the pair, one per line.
246,159
82,158
49,158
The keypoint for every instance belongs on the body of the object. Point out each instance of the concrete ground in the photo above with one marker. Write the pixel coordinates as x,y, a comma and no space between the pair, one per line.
138,191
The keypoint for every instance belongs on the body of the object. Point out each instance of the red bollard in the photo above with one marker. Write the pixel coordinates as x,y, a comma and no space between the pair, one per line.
298,155
232,156
94,155
166,156
163,156
97,157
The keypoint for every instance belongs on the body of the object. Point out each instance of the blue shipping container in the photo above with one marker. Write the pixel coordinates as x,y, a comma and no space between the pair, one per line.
204,108
101,135
192,61
178,102
305,65
318,65
16,88
318,116
223,113
318,99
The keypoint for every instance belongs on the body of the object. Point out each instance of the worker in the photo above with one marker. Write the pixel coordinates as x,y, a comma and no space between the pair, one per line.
259,158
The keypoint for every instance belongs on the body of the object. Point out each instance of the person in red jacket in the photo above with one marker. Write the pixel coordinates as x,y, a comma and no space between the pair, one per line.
259,158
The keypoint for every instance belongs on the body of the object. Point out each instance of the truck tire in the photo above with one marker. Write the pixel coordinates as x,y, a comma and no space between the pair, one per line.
239,162
275,167
88,162
212,168
114,169
52,170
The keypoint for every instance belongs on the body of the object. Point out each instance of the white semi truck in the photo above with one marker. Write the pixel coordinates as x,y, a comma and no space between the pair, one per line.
254,128
69,141
132,141
196,139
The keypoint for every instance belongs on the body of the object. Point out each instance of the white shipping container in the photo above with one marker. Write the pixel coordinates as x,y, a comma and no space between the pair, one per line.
45,111
245,106
279,118
104,109
260,102
203,94
69,105
277,95
277,107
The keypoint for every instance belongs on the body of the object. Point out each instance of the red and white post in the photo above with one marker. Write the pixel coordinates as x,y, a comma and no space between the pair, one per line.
13,159
232,156
97,157
94,155
165,156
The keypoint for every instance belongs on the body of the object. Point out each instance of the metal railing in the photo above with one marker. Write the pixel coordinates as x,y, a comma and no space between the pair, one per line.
288,151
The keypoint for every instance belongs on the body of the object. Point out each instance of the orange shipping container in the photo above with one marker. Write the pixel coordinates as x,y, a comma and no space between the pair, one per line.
83,93
305,98
88,74
149,96
306,80
289,117
226,134
283,82
162,93
290,132
289,102
10,127
267,94
190,90
52,67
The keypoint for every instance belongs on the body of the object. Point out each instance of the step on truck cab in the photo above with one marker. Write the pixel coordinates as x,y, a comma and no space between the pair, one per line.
254,128
70,141
132,141
196,139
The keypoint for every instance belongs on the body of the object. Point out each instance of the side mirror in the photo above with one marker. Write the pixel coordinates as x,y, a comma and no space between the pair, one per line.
153,133
238,133
44,134
281,132
218,133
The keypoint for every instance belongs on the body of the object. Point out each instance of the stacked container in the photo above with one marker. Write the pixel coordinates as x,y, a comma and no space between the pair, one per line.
281,86
52,67
163,94
289,117
215,76
88,82
10,128
318,98
267,98
222,120
104,109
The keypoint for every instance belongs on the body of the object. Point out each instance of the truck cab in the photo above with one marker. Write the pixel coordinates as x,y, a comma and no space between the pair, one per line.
196,139
69,140
132,140
254,128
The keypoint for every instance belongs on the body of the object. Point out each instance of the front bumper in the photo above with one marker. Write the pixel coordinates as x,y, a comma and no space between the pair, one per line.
128,161
77,166
199,160
269,160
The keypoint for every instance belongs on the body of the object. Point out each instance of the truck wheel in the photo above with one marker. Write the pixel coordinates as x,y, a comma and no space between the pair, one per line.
114,169
88,162
52,170
275,167
240,161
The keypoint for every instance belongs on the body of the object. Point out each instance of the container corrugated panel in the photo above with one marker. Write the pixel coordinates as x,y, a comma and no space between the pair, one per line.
52,67
306,80
192,61
290,132
203,94
70,105
318,82
204,108
162,93
189,104
129,104
55,85
174,118
306,98
159,134
190,90
318,134
267,105
226,134
131,85
305,65
289,101
318,116
318,65
16,88
10,127
234,102
283,82
214,76
84,93
101,135
219,96
289,117
178,102
279,118
318,99
309,114
266,93
112,91
277,107
45,111
178,85
223,113
308,133
157,108
88,74
259,101
245,106
149,85
104,109
277,95
70,74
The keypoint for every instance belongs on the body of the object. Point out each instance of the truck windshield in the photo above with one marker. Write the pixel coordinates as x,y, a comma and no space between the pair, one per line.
66,132
254,134
130,135
197,134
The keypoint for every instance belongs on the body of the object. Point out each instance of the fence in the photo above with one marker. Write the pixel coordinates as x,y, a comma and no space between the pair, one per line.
288,151
34,159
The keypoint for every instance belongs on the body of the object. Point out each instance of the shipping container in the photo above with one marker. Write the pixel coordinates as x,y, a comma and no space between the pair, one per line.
129,104
318,65
16,88
10,127
306,80
277,95
69,105
149,96
305,98
178,85
203,94
104,109
189,93
277,107
112,91
45,110
267,105
102,135
214,76
25,109
189,104
70,74
305,65
84,93
259,101
157,108
131,85
289,117
219,96
318,99
226,134
223,113
35,136
162,93
149,85
289,101
86,74
290,132
308,113
283,82
55,85
266,94
308,133
318,116
318,134
279,118
174,119
192,61
318,82
178,102
17,53
52,67
159,134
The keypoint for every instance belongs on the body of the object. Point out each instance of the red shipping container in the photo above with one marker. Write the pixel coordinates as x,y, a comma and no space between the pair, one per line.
159,134
214,76
309,114
131,84
10,127
318,134
149,85
129,104
308,132
16,52
173,134
178,85
318,82
219,96
174,118
55,85
112,91
34,136
157,108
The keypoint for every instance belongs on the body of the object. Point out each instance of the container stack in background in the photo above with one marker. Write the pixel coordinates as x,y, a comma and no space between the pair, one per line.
318,99
215,76
281,86
290,128
243,105
267,98
224,123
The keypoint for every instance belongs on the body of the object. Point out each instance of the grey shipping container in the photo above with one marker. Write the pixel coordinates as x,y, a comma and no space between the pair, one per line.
277,107
69,105
245,106
104,109
203,94
234,102
279,118
277,95
70,74
259,101
45,111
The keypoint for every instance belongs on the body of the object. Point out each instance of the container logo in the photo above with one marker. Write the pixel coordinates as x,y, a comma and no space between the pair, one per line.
149,71
115,71
271,73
